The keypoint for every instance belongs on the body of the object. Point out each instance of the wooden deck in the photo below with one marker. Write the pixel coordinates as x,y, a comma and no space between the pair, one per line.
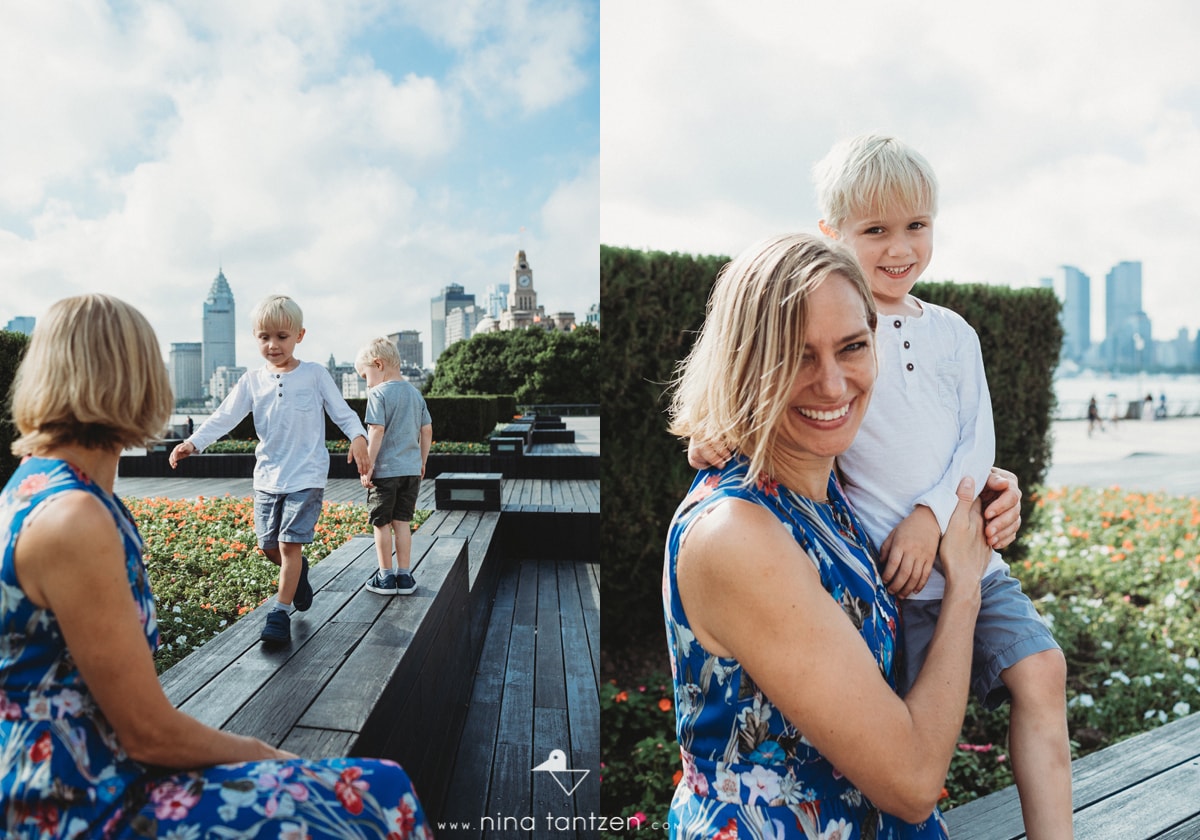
536,690
1147,786
522,604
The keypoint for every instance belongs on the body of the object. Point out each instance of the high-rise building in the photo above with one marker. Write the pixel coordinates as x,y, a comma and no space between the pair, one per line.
593,315
220,328
450,297
22,324
461,322
408,342
223,380
1073,289
1127,343
184,369
497,299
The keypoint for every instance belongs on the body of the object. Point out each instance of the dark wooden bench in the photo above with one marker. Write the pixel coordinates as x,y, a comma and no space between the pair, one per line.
391,677
364,674
1147,786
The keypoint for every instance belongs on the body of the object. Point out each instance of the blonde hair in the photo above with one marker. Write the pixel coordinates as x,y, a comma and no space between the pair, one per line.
870,173
93,375
277,311
734,385
378,348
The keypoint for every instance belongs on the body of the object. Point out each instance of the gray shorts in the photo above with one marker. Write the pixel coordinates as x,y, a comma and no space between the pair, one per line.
286,517
392,499
1008,630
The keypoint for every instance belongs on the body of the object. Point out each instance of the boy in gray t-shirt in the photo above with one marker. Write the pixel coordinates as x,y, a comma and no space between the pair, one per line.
399,433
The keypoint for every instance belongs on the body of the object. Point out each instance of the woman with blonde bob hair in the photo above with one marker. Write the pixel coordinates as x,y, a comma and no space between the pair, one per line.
92,745
780,632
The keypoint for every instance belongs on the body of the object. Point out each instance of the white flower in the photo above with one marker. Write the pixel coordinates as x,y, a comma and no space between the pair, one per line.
1085,700
1120,676
1192,662
1170,600
1106,644
1181,708
837,830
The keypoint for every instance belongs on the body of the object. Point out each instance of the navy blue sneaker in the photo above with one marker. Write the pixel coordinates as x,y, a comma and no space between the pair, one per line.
302,600
405,585
382,583
278,627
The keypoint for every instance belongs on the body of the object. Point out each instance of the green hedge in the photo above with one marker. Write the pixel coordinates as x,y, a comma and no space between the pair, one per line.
454,418
12,350
652,304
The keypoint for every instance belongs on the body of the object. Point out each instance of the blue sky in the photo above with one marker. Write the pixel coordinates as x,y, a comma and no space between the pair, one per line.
356,155
1062,133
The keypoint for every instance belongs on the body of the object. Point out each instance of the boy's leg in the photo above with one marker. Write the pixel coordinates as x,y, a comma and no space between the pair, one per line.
297,524
1017,659
383,546
1039,743
406,503
380,499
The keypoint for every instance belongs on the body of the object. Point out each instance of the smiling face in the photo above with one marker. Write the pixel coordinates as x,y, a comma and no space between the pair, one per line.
830,394
893,247
277,344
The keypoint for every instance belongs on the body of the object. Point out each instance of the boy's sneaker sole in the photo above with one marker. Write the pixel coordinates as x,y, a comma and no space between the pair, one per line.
278,628
303,598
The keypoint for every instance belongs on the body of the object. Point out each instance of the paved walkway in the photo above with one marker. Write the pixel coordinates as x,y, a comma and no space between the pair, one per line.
1147,456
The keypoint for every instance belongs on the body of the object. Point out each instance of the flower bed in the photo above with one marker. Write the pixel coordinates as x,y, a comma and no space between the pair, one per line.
206,570
1113,573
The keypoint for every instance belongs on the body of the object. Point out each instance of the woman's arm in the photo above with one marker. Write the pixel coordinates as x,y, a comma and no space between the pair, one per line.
70,560
751,593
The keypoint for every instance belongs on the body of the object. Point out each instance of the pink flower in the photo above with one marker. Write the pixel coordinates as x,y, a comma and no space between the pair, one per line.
33,484
637,819
172,801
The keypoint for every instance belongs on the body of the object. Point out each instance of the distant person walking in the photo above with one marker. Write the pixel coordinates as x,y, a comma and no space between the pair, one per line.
1148,408
1093,416
1161,413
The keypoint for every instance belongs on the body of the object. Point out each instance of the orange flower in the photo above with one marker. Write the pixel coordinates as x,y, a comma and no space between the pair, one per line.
664,704
621,697
678,775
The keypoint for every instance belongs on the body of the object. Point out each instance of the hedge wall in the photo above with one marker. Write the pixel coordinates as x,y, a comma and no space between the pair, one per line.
469,419
12,350
651,306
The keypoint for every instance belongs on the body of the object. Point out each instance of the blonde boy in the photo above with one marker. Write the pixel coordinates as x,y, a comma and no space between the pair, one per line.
289,399
930,424
399,434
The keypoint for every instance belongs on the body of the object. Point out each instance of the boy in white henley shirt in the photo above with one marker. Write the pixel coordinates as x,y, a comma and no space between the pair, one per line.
289,399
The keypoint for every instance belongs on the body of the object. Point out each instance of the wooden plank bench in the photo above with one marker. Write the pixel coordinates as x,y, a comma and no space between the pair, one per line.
364,674
1147,786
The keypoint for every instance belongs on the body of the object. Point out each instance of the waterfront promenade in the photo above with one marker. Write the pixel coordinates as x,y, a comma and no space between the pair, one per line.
1146,456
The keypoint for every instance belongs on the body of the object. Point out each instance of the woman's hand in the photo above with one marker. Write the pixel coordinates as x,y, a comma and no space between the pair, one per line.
1002,508
964,549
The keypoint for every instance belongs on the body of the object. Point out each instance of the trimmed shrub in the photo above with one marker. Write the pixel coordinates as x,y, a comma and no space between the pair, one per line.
12,350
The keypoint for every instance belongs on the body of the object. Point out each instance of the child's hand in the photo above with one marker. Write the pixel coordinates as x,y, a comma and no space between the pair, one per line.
908,552
702,454
180,452
358,454
1002,508
365,481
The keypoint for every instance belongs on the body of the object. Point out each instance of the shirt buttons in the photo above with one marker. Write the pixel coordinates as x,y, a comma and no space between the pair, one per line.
907,345
896,323
909,365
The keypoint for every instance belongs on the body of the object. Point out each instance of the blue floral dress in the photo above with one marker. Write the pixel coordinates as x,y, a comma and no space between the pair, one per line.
747,771
63,774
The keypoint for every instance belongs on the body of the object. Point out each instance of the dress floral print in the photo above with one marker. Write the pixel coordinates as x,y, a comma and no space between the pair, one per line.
63,774
747,771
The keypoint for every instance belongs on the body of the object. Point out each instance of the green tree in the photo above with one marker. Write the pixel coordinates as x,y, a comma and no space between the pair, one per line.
535,365
12,350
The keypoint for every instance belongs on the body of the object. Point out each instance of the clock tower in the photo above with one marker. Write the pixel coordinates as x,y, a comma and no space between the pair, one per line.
521,296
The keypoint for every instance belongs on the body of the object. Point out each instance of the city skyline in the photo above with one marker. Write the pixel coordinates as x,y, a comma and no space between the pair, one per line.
1060,135
356,157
